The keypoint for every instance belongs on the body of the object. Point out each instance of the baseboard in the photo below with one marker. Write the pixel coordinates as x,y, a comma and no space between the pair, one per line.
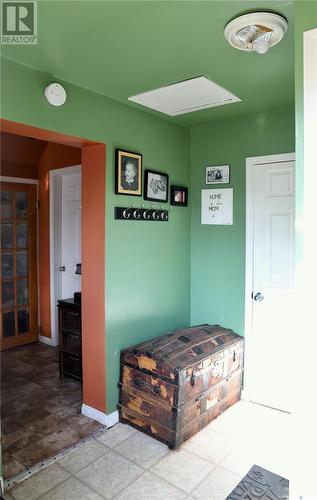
112,418
1,487
47,340
245,396
99,416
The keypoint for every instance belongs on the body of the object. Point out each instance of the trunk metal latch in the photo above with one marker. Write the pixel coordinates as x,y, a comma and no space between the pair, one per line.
200,398
193,379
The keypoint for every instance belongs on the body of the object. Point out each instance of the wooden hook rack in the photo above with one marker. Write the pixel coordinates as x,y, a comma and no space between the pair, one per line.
141,214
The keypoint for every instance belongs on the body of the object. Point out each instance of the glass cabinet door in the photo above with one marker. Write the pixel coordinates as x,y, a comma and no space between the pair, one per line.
18,267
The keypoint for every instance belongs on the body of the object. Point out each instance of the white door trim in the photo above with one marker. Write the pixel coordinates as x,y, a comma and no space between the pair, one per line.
18,180
308,272
249,255
54,221
304,486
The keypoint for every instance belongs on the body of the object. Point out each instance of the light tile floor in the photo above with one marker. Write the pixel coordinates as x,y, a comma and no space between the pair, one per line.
125,464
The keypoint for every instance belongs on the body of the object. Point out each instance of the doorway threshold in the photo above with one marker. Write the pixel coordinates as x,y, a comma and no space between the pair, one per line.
34,469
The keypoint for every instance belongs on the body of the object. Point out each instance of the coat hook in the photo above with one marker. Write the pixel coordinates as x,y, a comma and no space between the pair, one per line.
145,216
125,214
164,215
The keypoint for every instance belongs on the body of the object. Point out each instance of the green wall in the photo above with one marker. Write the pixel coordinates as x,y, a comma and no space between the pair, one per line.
147,264
148,278
218,252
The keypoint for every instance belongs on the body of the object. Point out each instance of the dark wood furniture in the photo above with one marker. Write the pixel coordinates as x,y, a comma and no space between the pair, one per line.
172,386
70,346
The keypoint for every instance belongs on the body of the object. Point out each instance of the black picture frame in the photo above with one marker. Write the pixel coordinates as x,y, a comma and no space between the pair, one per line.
179,196
155,186
218,174
130,185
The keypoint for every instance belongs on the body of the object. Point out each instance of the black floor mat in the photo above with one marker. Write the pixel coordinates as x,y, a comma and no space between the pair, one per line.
259,484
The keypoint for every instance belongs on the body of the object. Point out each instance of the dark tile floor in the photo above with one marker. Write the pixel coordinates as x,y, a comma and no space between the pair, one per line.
40,414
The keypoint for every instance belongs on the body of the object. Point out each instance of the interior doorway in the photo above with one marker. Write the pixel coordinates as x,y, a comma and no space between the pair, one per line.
43,413
270,299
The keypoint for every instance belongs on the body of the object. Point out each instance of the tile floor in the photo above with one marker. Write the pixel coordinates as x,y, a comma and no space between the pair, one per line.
40,414
125,464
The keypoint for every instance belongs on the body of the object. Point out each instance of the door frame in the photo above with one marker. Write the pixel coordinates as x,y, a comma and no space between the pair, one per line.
304,486
55,229
251,162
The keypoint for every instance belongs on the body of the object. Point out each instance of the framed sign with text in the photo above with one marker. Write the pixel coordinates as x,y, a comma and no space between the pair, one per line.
217,206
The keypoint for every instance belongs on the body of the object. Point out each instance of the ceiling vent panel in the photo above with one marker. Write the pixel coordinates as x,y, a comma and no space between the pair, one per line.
185,97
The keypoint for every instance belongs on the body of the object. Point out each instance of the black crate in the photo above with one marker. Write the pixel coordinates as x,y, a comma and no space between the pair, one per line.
71,364
71,342
71,320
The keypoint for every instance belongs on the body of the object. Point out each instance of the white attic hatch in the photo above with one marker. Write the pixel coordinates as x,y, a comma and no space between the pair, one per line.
185,97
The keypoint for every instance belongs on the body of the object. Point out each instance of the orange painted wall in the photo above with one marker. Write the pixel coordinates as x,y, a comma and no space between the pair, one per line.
55,156
20,155
93,275
33,159
11,169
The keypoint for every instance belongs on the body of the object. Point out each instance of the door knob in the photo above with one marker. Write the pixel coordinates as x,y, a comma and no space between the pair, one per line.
62,268
258,297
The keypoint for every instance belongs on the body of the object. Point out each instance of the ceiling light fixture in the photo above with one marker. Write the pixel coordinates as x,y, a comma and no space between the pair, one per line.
256,32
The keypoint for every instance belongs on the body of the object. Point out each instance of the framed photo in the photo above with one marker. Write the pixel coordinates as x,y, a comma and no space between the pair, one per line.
218,174
155,186
179,196
128,173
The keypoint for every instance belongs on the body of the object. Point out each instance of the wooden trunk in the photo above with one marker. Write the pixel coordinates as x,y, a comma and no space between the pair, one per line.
174,385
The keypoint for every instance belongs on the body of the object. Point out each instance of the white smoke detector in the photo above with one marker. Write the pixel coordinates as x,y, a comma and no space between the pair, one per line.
55,94
256,32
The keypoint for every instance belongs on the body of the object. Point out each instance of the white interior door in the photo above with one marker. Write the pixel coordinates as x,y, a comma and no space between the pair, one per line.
70,244
272,296
65,238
